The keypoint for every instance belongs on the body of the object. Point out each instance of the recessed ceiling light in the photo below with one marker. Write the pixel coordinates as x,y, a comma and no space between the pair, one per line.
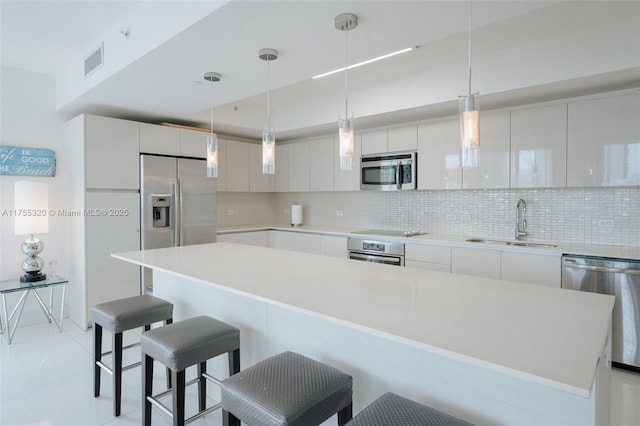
368,61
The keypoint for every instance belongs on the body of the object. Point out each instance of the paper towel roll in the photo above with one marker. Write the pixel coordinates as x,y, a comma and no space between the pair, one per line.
296,215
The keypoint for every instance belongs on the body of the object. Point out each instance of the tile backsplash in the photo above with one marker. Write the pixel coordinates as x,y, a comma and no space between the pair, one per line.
578,215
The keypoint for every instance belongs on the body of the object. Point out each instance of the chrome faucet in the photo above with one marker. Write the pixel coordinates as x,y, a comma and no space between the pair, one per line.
521,222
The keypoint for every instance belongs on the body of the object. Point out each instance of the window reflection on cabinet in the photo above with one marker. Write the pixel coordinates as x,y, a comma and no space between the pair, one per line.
604,142
493,157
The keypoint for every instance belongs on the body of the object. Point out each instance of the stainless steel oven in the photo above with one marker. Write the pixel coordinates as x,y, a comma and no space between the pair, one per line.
369,250
393,171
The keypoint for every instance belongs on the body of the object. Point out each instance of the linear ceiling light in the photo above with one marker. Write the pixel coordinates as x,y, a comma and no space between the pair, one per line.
368,61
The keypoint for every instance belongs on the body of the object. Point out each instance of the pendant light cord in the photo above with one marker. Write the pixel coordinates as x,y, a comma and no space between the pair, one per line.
211,107
470,9
268,97
346,69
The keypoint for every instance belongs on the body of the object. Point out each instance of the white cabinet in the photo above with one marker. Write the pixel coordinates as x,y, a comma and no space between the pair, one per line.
439,155
299,167
493,157
333,245
193,143
403,138
237,166
113,232
347,180
432,257
531,268
283,240
282,168
374,142
321,163
156,139
307,243
111,152
477,262
258,182
539,147
221,184
253,238
604,142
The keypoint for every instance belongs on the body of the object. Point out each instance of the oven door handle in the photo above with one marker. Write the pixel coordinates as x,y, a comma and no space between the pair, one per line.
572,265
389,260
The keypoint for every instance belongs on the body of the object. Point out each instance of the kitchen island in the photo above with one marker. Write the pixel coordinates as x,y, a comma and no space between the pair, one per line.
487,351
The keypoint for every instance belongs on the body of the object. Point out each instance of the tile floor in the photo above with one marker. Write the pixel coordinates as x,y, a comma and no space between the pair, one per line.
46,380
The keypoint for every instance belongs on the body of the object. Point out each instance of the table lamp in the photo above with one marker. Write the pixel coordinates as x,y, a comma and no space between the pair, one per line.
31,217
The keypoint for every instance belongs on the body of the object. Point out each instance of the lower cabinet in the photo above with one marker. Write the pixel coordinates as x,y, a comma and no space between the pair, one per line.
477,262
254,238
423,256
531,268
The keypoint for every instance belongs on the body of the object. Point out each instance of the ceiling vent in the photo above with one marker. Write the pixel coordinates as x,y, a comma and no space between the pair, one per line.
94,60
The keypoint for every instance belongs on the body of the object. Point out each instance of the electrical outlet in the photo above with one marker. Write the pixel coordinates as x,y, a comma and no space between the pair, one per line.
339,212
230,212
287,211
605,223
451,217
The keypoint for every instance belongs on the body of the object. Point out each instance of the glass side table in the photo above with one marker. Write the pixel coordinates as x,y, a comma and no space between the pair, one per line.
15,286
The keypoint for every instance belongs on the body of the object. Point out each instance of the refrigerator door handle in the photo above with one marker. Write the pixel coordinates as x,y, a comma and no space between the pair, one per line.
180,203
178,212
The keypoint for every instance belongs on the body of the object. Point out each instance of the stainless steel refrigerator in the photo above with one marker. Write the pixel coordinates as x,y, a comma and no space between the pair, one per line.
177,205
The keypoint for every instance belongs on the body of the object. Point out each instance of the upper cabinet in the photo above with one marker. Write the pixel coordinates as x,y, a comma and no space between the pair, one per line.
237,166
321,163
282,168
493,156
112,153
539,147
157,139
258,182
403,138
604,142
193,143
347,180
439,155
221,184
299,166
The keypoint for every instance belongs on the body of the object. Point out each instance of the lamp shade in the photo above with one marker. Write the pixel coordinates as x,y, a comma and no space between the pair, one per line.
31,204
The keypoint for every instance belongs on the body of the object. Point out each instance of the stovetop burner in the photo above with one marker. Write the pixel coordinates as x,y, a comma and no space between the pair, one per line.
390,233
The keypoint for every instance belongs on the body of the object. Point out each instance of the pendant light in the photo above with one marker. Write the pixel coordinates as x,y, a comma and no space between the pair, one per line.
212,139
346,22
469,119
268,134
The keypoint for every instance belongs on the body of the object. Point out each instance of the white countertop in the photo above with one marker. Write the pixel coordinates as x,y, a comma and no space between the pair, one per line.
549,336
602,250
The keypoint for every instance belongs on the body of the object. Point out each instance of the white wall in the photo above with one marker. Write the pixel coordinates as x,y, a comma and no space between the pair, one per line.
28,118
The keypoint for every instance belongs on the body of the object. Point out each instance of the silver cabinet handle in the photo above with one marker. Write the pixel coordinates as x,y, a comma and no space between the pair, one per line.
572,265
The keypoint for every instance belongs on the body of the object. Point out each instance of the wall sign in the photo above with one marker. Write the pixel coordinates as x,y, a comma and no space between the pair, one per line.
20,161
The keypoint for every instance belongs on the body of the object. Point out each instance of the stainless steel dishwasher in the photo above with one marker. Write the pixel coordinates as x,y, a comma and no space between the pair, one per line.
619,278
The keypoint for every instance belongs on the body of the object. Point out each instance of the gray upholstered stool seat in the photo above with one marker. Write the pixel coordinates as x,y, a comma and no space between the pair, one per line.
179,346
391,409
119,316
287,389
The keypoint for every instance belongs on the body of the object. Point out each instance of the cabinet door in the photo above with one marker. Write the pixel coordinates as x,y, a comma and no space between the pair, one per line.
112,153
493,157
257,238
193,143
532,268
374,142
258,182
221,185
283,240
424,256
321,164
299,167
116,231
477,262
402,138
237,166
331,245
604,142
347,180
539,147
307,243
155,139
282,168
439,155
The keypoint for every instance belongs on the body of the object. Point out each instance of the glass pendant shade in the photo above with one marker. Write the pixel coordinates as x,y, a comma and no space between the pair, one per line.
212,155
268,152
345,133
469,129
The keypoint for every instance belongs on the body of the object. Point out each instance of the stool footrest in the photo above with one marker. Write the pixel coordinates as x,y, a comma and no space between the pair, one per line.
108,369
133,345
169,414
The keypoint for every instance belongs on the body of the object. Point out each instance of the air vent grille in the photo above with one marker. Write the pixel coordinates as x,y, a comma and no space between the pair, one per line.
94,60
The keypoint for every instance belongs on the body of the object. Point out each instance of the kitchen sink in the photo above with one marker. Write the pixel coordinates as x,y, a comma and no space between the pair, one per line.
510,243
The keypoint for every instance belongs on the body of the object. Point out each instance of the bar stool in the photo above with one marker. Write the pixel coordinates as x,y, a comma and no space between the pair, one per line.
392,409
287,389
119,316
181,345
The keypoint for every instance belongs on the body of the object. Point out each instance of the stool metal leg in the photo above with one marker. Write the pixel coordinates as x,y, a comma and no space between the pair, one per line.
117,373
147,389
178,397
234,362
229,419
202,386
97,357
345,414
167,322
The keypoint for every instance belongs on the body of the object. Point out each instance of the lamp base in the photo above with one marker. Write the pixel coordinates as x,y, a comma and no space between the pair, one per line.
33,277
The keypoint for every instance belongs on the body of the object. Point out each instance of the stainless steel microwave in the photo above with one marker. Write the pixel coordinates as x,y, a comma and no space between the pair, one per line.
392,171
